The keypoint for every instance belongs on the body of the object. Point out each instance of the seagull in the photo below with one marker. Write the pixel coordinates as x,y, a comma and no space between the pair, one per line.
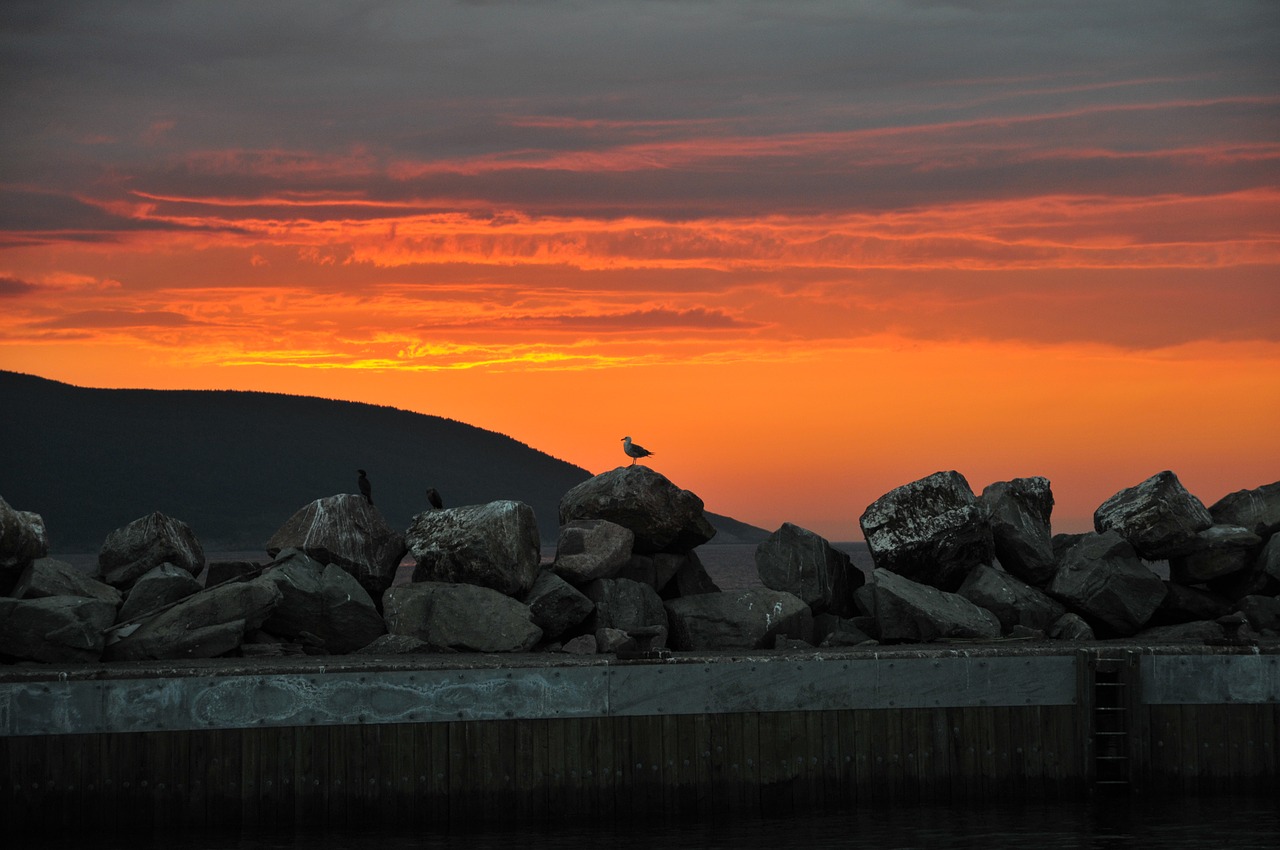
634,450
366,489
433,497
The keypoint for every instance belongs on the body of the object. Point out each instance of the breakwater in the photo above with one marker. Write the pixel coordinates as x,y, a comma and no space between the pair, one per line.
523,738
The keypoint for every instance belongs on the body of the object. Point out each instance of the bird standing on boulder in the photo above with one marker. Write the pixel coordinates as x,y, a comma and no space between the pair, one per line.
634,450
433,498
366,489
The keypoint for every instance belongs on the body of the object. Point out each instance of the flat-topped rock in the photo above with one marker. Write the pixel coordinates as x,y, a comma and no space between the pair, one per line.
663,517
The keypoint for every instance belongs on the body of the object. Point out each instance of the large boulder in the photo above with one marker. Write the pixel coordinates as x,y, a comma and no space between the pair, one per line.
1019,514
1218,551
494,545
1013,601
802,563
51,577
1103,578
690,579
55,629
1158,517
932,531
909,611
1071,627
323,600
662,517
130,552
23,539
1183,604
1257,510
156,589
624,604
348,531
750,619
206,625
460,617
1263,612
592,549
556,605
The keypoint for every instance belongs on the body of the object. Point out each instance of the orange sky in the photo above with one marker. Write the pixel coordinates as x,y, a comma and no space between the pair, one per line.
803,252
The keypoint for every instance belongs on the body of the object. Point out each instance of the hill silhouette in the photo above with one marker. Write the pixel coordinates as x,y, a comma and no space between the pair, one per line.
235,465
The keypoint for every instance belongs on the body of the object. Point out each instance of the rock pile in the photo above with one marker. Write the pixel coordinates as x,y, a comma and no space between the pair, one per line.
626,577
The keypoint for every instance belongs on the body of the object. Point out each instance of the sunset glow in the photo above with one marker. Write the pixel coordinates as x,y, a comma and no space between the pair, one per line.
805,252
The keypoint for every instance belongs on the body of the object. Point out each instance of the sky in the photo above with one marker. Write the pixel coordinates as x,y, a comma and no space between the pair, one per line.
805,252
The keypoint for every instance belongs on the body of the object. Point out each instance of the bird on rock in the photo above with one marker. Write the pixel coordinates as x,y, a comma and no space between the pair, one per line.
634,451
366,489
433,498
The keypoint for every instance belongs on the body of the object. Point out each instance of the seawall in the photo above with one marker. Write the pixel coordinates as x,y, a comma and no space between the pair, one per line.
462,739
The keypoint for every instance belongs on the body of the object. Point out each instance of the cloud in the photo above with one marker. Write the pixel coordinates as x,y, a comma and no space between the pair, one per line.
11,287
116,319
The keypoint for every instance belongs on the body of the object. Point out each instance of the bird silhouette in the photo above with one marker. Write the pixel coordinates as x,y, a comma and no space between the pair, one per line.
634,451
366,489
433,497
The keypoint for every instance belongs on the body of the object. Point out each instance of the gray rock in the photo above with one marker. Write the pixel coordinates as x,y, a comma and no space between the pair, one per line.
54,629
1158,517
582,645
51,577
1257,510
1027,633
221,572
1268,562
1263,612
909,611
1199,631
494,545
213,622
555,605
322,600
830,630
394,645
1014,602
23,539
460,617
136,549
592,549
1019,514
1071,627
802,563
750,619
1218,551
609,640
348,531
932,531
1184,604
624,604
155,589
691,579
662,517
1103,578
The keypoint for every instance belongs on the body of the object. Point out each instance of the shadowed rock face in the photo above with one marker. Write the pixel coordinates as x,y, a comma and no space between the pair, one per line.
494,545
347,531
751,619
800,562
662,517
321,600
206,625
136,549
1158,517
592,549
462,617
22,540
1019,513
1257,510
932,531
1014,602
1102,577
54,629
908,610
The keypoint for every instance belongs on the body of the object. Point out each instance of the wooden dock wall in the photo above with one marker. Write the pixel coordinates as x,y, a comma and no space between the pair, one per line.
762,736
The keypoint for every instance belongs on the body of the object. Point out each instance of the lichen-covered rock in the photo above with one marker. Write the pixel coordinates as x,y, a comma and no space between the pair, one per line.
556,605
802,563
213,622
592,549
54,629
348,531
1158,517
1103,578
1218,551
1019,512
156,589
1257,510
23,539
1013,601
322,600
494,545
51,577
663,517
909,611
459,617
932,531
136,549
624,604
751,619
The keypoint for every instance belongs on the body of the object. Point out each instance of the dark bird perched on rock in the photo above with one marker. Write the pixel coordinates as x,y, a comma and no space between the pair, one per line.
433,497
366,489
634,450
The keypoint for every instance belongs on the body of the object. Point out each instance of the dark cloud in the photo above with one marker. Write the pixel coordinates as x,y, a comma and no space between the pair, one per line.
11,287
657,319
107,319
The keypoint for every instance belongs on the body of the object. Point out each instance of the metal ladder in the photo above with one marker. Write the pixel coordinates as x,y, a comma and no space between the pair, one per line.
1111,721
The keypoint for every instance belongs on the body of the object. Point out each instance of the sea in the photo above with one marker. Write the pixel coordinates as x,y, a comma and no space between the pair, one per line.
1123,822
